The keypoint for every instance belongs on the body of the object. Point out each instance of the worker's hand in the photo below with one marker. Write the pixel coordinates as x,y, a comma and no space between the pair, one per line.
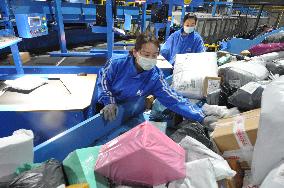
110,112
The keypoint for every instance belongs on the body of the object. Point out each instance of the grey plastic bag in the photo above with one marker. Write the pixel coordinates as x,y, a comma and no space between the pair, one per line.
269,150
248,97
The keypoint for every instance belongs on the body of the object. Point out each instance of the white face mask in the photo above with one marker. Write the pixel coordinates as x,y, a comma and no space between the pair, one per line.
188,29
146,63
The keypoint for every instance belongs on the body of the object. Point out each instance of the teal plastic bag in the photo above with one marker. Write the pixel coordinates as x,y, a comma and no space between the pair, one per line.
26,167
79,167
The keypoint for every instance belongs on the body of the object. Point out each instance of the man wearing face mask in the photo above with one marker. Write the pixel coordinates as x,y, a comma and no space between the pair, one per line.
185,40
129,79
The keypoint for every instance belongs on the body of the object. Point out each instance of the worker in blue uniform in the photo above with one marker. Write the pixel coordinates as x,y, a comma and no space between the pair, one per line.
185,40
131,78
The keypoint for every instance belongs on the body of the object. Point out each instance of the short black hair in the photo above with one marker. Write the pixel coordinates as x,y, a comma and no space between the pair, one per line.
189,16
144,38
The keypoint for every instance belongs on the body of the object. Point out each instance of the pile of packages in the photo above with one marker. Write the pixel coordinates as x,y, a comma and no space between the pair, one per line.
141,157
231,84
260,30
272,43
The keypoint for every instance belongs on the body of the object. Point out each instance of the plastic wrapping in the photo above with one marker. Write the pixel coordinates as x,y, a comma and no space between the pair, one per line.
160,113
274,38
15,150
237,74
269,150
193,129
213,97
225,92
276,67
190,70
267,57
79,168
48,175
142,156
219,111
275,178
266,48
203,167
248,97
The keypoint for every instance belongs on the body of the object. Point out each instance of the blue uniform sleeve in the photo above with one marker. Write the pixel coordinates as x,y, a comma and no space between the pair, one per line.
166,48
200,47
105,79
175,102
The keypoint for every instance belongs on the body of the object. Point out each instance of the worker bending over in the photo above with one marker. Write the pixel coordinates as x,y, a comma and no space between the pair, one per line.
128,80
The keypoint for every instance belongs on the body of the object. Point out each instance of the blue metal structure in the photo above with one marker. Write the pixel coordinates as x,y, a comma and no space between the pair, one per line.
15,52
6,39
31,25
82,135
237,45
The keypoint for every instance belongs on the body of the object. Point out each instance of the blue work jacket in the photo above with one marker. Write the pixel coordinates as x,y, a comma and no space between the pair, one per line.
178,43
119,82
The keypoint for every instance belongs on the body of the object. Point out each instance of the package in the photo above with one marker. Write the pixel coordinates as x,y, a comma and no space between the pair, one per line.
219,111
83,185
160,113
236,136
142,156
225,92
267,57
25,57
162,126
237,74
79,168
48,175
15,150
190,71
237,180
274,38
6,180
276,67
269,150
213,97
203,168
275,178
247,181
248,97
211,84
266,48
224,59
193,129
26,167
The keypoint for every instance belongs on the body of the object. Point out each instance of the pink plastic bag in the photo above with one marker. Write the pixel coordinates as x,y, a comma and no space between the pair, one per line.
142,156
266,48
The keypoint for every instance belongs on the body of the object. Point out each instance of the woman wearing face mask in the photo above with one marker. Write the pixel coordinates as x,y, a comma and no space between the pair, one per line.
185,40
128,80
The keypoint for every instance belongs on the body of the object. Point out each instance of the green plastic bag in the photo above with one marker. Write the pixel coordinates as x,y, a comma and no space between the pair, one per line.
26,167
79,167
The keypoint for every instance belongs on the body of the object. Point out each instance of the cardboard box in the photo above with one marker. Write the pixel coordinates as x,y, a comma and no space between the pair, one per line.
226,138
237,180
83,185
25,57
210,84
